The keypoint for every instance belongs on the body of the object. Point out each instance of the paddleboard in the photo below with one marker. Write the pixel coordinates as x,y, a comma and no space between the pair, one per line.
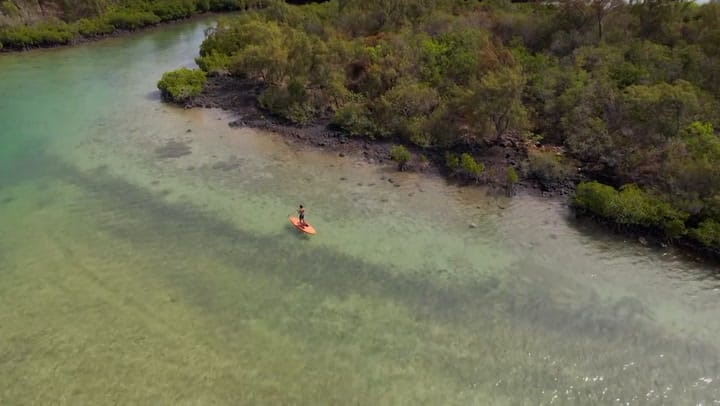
307,228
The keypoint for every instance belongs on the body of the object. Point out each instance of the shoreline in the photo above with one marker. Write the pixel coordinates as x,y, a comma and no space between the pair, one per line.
80,40
239,96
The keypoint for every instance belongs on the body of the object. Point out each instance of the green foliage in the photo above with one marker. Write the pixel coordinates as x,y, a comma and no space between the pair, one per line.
598,198
91,18
94,27
470,168
289,102
401,155
464,166
354,118
452,161
9,8
548,166
405,110
173,9
631,91
663,108
511,176
691,170
50,33
131,20
631,206
214,62
181,84
452,56
708,233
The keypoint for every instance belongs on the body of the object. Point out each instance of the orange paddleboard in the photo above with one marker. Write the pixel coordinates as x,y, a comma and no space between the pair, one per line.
307,228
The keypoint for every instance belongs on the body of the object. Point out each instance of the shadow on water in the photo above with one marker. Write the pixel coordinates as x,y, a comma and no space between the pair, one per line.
153,96
148,220
30,163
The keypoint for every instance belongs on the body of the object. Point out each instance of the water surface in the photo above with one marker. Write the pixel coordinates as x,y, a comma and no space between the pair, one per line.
127,276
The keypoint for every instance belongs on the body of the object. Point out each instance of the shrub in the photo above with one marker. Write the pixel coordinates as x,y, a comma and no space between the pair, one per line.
16,37
299,113
274,100
355,119
131,20
512,176
452,162
547,166
94,26
181,84
50,33
225,5
9,8
707,233
213,63
401,155
470,168
630,206
203,5
173,9
597,198
465,166
641,208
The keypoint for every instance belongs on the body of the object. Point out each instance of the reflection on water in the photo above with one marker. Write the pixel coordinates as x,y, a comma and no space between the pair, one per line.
128,276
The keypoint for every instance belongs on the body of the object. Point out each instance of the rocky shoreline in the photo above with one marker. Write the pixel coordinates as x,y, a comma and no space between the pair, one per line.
239,96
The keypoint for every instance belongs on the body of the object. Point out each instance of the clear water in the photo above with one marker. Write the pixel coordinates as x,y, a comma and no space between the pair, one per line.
126,277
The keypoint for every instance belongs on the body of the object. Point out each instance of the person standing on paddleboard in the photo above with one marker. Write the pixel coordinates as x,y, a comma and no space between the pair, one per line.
301,215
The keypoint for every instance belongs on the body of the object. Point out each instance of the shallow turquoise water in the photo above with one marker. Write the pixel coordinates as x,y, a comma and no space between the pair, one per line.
126,277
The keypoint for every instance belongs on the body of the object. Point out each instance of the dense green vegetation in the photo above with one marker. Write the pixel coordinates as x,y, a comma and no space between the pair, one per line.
623,93
25,24
181,84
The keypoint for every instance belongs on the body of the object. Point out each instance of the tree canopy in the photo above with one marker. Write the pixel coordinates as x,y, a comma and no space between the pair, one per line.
628,92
